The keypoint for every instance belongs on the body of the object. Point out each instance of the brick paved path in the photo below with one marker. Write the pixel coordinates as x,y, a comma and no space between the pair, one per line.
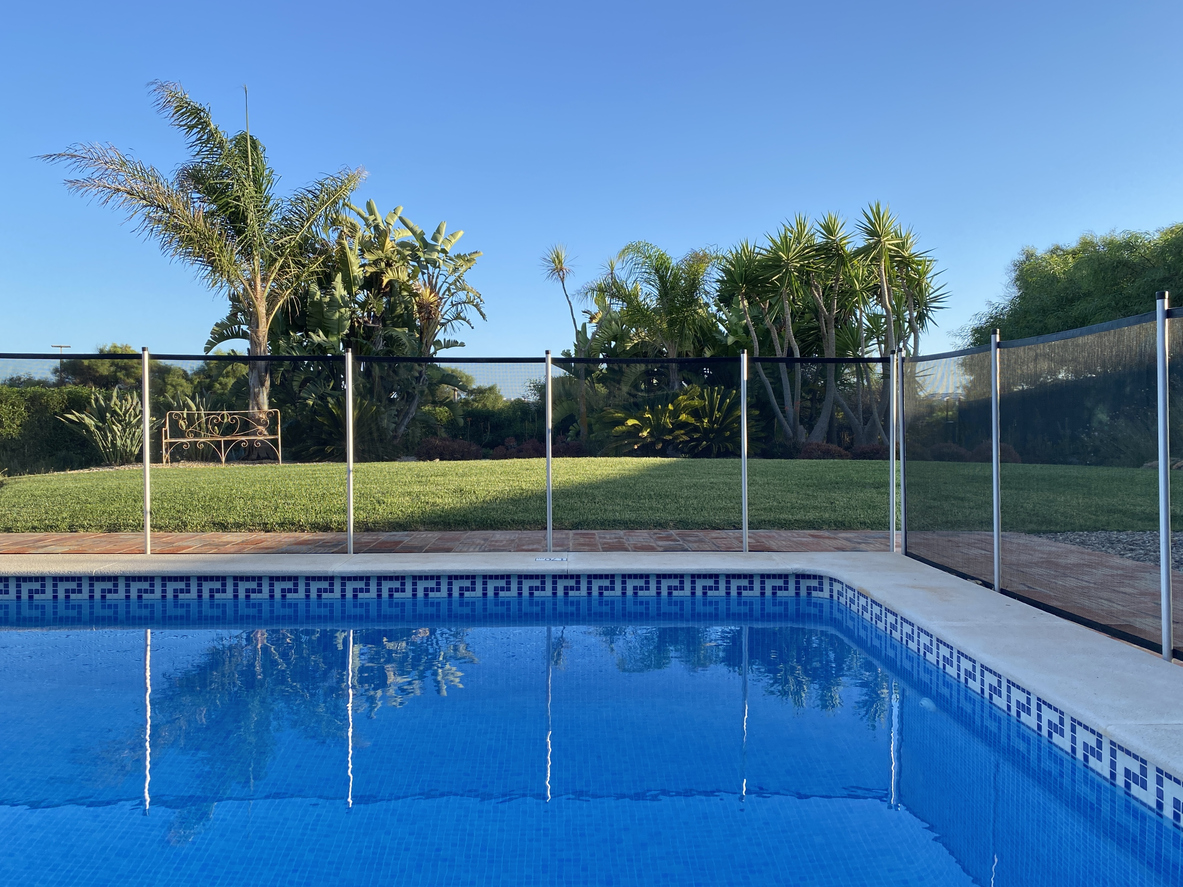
1105,589
442,542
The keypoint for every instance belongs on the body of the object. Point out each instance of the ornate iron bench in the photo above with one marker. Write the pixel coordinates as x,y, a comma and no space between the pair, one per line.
221,432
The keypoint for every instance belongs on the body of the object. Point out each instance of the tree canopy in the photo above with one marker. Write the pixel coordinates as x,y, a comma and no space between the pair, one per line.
1097,279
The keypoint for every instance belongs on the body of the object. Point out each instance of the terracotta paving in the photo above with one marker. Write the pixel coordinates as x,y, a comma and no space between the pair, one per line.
1105,589
443,542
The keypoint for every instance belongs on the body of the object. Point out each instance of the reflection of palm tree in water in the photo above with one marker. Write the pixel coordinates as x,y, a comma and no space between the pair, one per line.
805,666
228,709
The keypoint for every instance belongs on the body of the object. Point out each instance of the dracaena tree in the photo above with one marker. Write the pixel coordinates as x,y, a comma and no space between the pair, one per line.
221,214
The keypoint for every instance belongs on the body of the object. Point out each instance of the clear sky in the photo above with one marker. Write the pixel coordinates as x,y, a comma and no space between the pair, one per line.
985,126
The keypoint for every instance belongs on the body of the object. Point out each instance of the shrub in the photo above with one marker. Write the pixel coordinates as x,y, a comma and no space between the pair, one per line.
32,440
568,448
919,454
823,451
444,449
948,452
1006,453
869,451
527,449
114,423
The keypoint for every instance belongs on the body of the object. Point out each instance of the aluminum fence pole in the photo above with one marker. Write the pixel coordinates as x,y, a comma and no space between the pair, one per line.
743,442
349,451
893,422
1164,481
901,438
550,523
146,411
996,442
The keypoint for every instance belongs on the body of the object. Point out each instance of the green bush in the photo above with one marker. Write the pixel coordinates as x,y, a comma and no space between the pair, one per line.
819,450
114,422
32,438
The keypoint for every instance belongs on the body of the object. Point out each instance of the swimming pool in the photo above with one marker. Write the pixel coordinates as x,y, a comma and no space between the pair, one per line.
595,729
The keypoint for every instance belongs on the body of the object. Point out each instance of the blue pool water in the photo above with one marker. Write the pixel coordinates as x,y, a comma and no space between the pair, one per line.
607,753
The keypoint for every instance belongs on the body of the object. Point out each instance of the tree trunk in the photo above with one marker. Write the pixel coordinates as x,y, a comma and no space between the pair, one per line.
822,425
412,405
259,377
583,404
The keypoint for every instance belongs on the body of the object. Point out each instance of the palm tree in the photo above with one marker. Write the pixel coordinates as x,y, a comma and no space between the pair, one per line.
220,213
556,265
663,299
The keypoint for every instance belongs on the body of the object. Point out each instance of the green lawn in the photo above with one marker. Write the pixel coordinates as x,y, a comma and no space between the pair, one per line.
616,493
589,494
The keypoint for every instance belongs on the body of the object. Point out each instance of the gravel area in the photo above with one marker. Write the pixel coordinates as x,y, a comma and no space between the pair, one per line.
1141,545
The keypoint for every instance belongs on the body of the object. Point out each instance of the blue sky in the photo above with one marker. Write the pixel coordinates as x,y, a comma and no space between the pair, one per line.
985,126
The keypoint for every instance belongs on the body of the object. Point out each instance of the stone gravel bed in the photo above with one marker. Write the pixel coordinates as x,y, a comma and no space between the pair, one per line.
1137,545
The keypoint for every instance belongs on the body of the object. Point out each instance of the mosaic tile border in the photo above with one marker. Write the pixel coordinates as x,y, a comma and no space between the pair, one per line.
141,600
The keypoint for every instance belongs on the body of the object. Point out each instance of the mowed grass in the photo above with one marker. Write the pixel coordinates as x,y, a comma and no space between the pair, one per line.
1037,498
607,493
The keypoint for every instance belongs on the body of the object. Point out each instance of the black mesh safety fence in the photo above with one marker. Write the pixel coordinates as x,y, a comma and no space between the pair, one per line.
1078,478
426,436
818,443
249,446
948,454
1175,413
650,449
63,419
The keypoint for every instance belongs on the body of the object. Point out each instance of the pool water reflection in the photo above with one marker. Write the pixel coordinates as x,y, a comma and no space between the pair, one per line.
601,754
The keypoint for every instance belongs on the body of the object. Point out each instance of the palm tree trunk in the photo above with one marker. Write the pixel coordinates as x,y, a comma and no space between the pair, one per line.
259,377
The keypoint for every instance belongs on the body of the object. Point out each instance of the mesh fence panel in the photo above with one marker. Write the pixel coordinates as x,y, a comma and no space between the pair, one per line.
660,442
426,433
69,414
226,465
1175,406
818,445
948,493
1078,423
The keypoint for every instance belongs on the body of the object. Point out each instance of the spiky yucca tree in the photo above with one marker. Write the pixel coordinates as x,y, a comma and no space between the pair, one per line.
219,212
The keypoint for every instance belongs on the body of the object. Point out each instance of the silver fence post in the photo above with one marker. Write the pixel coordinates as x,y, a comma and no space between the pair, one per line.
349,451
893,422
743,443
146,411
901,438
550,524
1164,481
996,446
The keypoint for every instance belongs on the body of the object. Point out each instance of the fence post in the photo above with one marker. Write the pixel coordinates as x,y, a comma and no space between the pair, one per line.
1164,480
893,422
146,412
901,438
996,446
550,524
349,451
743,442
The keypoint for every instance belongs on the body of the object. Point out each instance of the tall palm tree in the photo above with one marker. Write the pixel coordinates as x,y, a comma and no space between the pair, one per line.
220,213
664,299
556,264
